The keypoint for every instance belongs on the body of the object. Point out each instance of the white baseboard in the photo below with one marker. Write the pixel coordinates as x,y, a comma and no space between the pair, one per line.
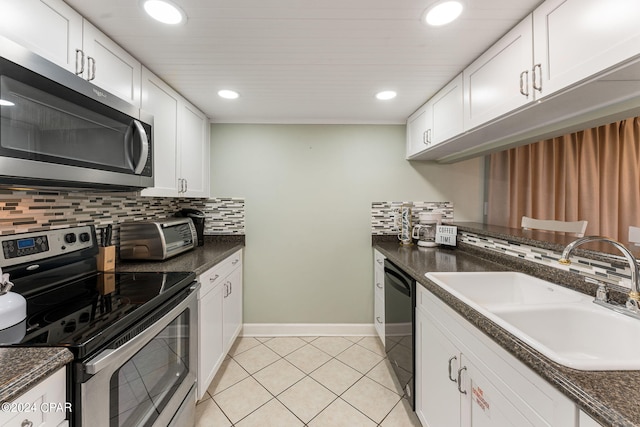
307,329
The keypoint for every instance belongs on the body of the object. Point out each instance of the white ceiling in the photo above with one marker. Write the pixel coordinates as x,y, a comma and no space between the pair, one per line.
304,61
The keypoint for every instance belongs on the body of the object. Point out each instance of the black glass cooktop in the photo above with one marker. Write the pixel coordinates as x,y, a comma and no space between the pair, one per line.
86,313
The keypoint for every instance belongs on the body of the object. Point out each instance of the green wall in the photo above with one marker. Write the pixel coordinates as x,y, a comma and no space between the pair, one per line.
308,191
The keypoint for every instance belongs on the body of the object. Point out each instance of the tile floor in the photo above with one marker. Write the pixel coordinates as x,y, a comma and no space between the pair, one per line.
305,381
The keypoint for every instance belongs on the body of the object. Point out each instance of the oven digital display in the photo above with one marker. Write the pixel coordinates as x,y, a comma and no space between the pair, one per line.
26,243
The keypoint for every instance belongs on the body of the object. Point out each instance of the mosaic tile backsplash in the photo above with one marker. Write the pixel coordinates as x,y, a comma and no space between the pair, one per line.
614,273
22,212
384,215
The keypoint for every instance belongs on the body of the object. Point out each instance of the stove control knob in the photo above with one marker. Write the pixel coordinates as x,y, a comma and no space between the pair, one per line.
70,238
85,237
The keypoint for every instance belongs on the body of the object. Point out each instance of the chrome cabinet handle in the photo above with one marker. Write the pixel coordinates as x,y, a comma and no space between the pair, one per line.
464,368
186,185
234,262
79,53
212,279
379,261
428,136
451,359
424,137
378,320
535,86
379,285
91,63
524,77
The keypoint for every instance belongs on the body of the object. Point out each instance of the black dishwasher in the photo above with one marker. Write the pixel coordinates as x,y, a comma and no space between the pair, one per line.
399,317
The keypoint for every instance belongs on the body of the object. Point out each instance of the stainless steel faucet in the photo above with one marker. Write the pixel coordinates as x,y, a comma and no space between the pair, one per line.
632,306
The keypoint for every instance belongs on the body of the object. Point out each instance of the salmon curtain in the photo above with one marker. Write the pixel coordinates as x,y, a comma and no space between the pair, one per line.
591,175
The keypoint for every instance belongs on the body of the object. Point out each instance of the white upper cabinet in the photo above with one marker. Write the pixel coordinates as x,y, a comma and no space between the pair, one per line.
109,66
48,28
499,80
162,102
53,30
419,130
194,151
576,39
570,65
447,110
180,141
438,120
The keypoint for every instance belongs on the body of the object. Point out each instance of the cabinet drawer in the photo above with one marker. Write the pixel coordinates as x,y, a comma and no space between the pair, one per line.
216,274
43,405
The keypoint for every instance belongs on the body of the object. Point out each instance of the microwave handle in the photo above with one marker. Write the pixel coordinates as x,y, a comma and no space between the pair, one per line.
144,147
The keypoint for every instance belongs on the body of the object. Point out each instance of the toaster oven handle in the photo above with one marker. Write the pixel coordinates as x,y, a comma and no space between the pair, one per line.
144,147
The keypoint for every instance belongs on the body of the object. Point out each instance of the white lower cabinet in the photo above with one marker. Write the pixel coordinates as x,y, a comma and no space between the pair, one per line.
41,406
464,379
232,307
378,292
219,316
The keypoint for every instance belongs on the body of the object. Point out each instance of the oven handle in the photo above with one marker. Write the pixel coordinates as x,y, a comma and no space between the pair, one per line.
123,353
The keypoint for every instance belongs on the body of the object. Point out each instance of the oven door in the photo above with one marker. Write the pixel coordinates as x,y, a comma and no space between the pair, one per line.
148,380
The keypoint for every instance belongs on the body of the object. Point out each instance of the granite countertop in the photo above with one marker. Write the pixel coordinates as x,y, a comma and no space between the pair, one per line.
610,397
24,367
198,260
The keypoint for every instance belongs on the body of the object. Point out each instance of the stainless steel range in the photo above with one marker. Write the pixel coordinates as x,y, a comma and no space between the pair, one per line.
133,335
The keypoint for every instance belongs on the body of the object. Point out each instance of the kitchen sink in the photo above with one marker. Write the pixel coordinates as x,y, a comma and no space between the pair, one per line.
504,288
562,324
580,336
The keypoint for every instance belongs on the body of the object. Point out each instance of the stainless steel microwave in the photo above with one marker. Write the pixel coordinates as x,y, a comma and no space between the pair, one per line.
59,130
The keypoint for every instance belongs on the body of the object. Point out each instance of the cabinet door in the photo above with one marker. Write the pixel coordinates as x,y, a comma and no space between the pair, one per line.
575,39
194,151
448,111
232,307
419,130
484,405
378,294
162,102
109,66
210,345
48,28
437,364
492,83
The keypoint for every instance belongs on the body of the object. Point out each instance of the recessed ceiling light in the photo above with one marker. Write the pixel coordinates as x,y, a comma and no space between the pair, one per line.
5,103
164,11
443,12
228,94
386,95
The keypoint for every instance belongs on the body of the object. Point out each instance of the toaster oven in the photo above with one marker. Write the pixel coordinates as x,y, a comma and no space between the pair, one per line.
158,239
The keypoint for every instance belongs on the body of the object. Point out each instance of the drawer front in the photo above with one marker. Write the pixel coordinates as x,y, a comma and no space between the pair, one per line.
216,274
